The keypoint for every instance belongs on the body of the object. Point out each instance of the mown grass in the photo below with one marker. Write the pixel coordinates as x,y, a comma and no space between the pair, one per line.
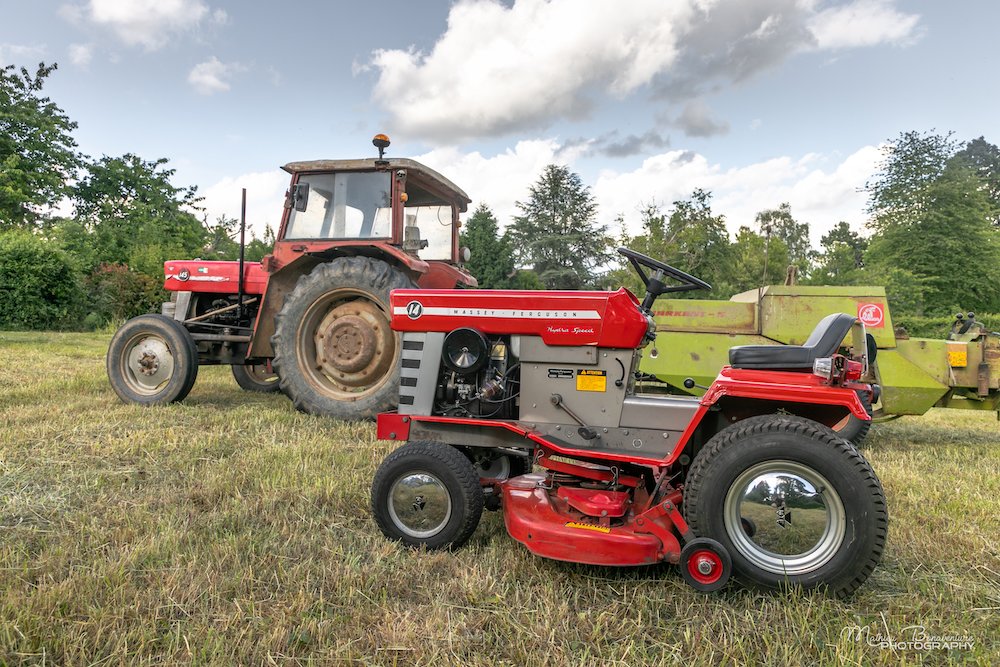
232,530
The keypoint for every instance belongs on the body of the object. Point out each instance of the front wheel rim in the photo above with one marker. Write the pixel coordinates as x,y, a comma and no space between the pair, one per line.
419,504
800,517
147,364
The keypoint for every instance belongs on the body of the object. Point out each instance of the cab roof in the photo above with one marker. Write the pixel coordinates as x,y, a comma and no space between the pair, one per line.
370,164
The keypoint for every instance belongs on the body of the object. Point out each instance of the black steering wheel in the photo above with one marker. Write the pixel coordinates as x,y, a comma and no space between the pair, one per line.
655,285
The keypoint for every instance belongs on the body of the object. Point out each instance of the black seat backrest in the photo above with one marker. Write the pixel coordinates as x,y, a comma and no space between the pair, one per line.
824,341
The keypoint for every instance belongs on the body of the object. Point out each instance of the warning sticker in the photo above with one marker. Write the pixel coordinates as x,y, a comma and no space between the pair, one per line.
958,355
588,526
591,380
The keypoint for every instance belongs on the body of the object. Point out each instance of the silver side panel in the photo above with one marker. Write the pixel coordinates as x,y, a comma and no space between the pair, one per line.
532,348
665,413
419,364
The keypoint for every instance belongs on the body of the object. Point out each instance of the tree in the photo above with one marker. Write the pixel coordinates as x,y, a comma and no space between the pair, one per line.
757,260
951,248
37,152
983,158
842,259
492,260
897,194
779,223
557,234
136,216
691,238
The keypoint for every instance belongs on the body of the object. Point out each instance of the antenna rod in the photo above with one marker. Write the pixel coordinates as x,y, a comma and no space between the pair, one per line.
243,231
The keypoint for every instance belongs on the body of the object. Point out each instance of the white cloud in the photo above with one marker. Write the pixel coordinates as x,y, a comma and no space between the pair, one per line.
81,54
265,199
822,190
212,76
697,120
500,69
863,23
146,23
20,54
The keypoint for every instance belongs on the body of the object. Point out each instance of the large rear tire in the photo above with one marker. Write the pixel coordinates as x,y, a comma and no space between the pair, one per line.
427,494
819,509
152,360
334,349
255,377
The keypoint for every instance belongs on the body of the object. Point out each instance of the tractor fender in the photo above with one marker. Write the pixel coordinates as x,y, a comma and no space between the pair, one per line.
738,394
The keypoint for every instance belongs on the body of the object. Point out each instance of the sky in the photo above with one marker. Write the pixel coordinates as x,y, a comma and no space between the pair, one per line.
759,102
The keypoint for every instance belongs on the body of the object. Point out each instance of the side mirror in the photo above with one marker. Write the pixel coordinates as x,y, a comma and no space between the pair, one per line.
299,196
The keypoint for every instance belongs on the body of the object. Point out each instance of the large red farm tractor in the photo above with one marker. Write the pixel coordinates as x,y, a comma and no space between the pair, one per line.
315,311
748,478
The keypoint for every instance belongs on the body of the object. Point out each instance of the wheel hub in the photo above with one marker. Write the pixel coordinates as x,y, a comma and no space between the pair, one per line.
705,565
354,344
419,504
148,364
799,519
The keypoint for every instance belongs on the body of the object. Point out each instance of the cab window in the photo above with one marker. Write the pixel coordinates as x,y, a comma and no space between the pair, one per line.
343,206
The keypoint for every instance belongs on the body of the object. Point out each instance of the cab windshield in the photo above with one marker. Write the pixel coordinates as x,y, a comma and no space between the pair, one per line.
344,205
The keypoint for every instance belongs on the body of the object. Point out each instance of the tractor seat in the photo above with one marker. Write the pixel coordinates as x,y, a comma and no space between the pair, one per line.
824,341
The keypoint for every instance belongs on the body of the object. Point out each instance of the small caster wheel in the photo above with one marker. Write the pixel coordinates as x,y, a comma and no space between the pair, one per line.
705,564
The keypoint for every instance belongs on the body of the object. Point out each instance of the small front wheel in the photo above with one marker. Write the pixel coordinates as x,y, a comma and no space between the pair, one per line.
427,494
705,564
152,360
256,377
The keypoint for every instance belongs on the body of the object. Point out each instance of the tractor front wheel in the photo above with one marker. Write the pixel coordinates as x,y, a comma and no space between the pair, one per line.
334,349
152,360
817,507
255,377
427,494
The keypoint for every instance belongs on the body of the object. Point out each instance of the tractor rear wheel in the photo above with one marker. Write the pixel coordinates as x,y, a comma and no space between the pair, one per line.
818,507
334,349
427,494
255,377
152,360
854,429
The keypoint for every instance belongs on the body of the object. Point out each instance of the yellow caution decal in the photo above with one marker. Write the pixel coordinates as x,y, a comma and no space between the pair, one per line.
958,355
588,526
588,379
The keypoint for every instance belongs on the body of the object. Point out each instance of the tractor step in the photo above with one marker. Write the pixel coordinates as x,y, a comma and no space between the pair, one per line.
534,520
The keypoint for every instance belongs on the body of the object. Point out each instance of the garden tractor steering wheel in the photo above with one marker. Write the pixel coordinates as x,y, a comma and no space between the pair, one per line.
654,284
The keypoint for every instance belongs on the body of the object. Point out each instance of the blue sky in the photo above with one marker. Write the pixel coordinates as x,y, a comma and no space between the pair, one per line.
759,101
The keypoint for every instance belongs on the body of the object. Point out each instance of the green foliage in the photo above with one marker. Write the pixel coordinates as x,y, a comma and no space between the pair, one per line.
492,259
842,259
557,234
37,152
39,288
256,248
939,326
116,293
779,224
756,261
691,238
526,279
983,158
136,216
950,249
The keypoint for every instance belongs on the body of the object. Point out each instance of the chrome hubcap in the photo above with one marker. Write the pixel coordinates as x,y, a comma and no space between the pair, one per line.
419,504
799,516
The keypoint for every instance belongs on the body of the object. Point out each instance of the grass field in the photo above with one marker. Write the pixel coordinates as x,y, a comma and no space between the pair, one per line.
232,530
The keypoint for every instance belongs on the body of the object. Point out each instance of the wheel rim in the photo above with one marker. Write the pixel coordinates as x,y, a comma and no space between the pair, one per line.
346,344
493,467
147,364
259,374
419,504
799,517
705,566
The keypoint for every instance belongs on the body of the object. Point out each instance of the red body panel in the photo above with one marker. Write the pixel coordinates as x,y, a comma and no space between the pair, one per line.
604,319
534,520
214,277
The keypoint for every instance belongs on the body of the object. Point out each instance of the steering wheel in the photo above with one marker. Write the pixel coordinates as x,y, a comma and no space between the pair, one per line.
654,285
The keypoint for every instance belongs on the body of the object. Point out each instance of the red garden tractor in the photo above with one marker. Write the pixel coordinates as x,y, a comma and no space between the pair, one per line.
748,478
313,317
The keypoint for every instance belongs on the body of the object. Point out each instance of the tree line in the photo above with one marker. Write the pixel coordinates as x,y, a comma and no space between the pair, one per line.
932,236
103,262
